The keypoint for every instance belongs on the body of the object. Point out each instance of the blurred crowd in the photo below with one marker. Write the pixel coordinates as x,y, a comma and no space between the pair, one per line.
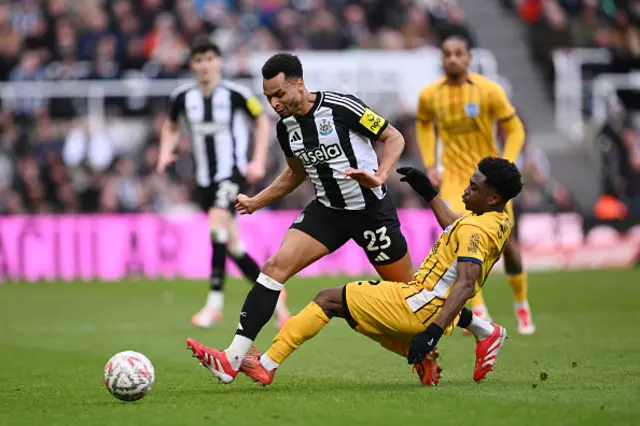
619,147
54,158
614,27
558,24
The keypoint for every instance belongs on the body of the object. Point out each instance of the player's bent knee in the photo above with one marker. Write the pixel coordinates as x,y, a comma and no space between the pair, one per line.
398,271
276,269
219,235
330,301
235,249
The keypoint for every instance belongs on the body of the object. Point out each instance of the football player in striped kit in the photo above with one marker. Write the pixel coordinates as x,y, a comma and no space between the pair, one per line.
327,138
220,116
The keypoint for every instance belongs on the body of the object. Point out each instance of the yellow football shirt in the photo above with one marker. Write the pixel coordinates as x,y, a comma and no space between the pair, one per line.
475,238
465,116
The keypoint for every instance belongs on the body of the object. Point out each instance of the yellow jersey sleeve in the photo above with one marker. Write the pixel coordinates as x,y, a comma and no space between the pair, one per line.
503,110
499,104
473,244
425,129
253,106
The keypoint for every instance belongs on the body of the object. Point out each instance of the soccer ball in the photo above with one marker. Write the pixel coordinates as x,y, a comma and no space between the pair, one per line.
129,375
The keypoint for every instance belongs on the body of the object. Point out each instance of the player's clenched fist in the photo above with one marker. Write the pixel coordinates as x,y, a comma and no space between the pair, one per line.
245,205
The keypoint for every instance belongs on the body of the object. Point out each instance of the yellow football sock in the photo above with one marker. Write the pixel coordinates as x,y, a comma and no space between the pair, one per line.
397,346
477,301
518,283
298,330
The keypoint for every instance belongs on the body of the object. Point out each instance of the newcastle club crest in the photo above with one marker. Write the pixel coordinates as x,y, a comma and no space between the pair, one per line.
326,127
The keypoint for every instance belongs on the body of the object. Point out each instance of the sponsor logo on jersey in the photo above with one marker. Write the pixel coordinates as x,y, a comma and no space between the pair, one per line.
472,110
372,121
325,128
295,136
208,128
319,155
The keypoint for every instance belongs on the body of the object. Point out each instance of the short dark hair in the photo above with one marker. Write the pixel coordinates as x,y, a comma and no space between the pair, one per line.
203,44
456,37
502,175
285,63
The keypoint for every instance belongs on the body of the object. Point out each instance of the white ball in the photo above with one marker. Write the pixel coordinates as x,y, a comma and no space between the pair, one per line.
129,375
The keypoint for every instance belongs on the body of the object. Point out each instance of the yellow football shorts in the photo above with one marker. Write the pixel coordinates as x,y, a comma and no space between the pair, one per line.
379,308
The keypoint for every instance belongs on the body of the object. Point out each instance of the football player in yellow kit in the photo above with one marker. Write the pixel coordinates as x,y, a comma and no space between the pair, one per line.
409,318
464,107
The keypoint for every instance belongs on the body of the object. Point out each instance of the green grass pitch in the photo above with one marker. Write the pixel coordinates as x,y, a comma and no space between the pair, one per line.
56,338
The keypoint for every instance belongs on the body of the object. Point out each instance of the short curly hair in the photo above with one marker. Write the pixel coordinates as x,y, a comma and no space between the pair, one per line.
285,63
456,37
502,175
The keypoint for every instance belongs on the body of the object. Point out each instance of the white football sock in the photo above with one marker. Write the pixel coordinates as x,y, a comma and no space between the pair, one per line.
238,349
520,305
237,250
281,300
215,300
268,363
480,328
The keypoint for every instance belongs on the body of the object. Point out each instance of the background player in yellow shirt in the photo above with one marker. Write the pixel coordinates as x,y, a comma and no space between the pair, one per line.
409,318
462,108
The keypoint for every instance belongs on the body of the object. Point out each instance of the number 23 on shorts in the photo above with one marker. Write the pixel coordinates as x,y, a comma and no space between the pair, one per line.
378,239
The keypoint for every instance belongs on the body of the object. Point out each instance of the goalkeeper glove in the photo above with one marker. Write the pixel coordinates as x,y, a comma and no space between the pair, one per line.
423,343
419,182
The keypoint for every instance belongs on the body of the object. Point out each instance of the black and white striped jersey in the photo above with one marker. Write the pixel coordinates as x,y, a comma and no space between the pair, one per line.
220,127
336,134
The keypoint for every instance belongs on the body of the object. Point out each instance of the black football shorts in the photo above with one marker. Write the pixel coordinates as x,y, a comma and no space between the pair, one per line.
376,230
221,194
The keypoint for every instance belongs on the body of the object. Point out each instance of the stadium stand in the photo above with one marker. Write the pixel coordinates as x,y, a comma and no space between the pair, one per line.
50,158
610,29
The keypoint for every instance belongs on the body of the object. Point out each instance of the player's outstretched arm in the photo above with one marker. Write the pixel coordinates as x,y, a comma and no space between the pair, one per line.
291,177
424,342
423,186
443,214
461,292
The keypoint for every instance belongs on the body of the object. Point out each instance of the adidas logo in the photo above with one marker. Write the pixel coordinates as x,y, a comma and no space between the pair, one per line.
296,136
381,257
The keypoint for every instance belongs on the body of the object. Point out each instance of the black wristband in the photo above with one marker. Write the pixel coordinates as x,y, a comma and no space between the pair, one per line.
435,331
430,194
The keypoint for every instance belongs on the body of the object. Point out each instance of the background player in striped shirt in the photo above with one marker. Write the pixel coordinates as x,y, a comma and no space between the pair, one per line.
409,318
327,138
462,108
219,115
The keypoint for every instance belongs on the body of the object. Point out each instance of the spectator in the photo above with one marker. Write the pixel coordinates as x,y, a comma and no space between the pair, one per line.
97,26
619,145
28,69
